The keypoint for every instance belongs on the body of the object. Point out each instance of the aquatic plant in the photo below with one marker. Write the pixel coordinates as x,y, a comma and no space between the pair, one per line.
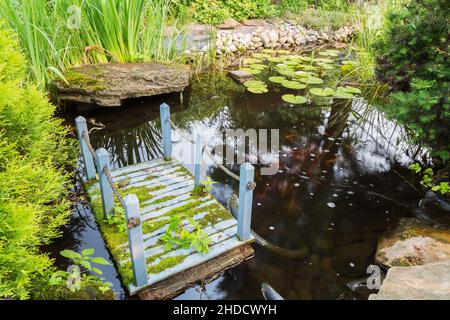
179,235
298,72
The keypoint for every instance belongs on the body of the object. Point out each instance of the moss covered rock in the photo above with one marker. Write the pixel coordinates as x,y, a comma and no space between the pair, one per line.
108,85
414,242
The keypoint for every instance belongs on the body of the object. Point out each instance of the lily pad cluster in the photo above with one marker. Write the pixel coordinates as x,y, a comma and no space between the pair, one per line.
313,75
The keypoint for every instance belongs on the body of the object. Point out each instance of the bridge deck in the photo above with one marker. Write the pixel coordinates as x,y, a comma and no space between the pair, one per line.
164,188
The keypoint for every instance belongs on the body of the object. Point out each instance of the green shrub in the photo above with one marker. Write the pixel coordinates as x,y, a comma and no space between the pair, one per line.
413,60
217,11
33,182
294,6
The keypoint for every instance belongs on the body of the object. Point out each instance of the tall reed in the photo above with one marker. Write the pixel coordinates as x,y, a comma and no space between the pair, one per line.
109,30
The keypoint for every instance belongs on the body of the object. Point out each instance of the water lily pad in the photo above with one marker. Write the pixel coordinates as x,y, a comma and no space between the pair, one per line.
329,53
306,59
285,71
258,66
290,98
349,89
323,60
251,71
307,67
269,51
275,59
312,80
260,56
259,89
276,79
253,83
293,85
322,92
251,61
343,95
325,66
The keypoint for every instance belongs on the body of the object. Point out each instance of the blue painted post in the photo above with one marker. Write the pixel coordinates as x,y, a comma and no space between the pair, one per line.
198,158
105,188
246,186
81,125
135,239
166,131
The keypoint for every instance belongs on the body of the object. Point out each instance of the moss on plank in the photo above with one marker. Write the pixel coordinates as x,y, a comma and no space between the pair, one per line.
166,263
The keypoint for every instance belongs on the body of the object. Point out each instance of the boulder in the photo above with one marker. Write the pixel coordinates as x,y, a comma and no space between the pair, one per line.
426,282
413,242
240,76
107,85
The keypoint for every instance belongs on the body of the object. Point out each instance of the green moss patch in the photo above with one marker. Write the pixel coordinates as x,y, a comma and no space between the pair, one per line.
84,81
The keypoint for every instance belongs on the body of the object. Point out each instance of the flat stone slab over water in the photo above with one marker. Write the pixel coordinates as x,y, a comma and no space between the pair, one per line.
165,188
427,282
108,85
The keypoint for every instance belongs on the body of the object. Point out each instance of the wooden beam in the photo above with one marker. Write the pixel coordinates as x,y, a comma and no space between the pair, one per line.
204,273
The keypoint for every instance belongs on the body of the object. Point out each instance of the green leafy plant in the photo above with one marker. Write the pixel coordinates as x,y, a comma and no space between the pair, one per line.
117,219
413,61
34,185
78,276
428,179
179,235
208,184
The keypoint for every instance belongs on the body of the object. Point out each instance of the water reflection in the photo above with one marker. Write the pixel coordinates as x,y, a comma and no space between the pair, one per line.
339,185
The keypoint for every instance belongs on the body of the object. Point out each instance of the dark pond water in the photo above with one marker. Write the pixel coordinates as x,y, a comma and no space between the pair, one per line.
341,184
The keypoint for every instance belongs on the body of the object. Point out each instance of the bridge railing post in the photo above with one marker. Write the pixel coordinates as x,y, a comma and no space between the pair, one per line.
198,158
81,125
105,188
135,239
246,186
166,130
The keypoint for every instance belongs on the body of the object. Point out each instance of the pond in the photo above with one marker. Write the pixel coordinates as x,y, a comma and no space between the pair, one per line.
341,183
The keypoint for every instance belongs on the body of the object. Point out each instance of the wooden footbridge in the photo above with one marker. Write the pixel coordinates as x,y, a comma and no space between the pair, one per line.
135,205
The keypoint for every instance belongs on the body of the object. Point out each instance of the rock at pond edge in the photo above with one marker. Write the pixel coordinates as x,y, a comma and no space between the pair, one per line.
413,242
107,85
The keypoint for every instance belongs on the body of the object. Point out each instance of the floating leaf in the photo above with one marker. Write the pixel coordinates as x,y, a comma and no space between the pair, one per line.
293,85
277,79
322,92
254,83
260,89
325,66
343,95
258,66
290,98
285,72
260,56
252,61
312,80
251,71
275,59
306,59
349,89
324,60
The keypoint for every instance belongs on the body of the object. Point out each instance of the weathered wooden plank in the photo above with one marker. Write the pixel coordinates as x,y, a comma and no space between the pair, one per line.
139,167
201,274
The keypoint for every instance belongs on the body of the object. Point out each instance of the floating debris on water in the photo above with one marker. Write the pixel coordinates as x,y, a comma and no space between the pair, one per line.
271,228
297,185
352,264
331,204
335,195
